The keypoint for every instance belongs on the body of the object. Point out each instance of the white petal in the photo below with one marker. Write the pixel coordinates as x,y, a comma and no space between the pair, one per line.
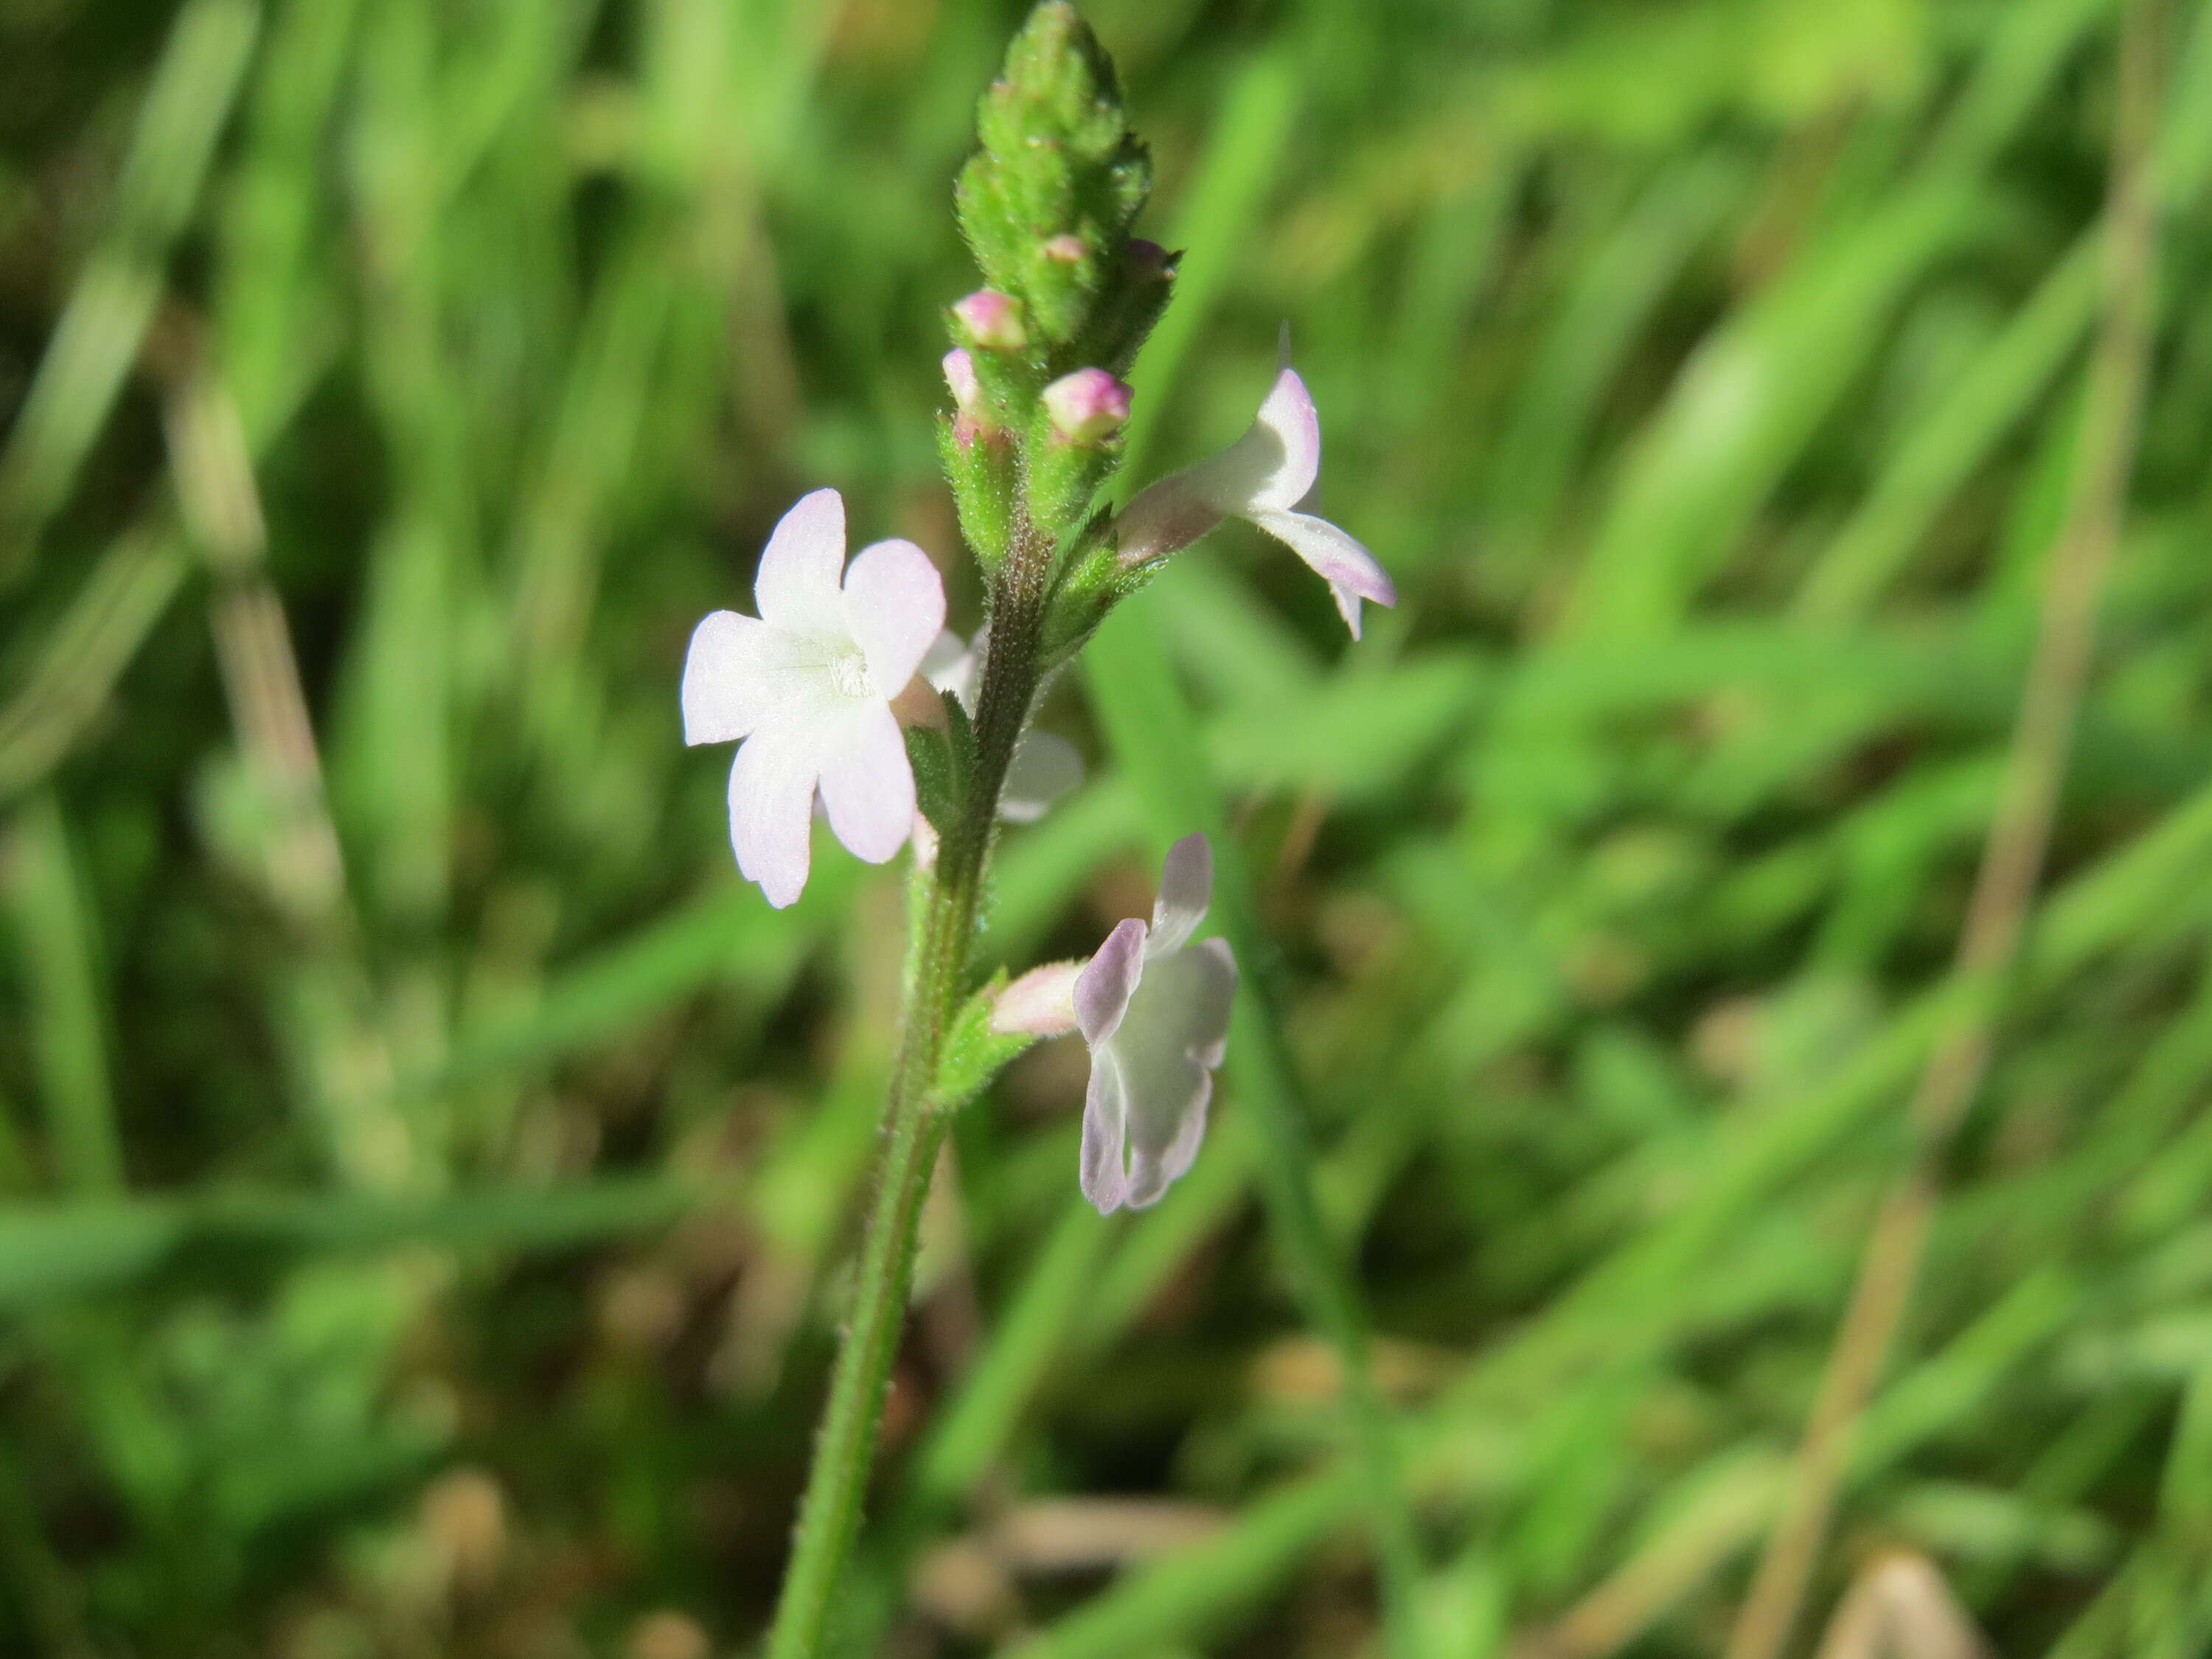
894,608
1186,889
1041,1003
1273,464
1350,569
867,782
1168,1044
796,586
1151,1174
1108,981
1105,1181
772,809
719,701
950,666
1044,768
740,673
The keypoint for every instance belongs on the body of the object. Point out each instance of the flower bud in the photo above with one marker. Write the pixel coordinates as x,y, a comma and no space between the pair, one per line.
1147,259
960,375
993,320
1087,405
1067,250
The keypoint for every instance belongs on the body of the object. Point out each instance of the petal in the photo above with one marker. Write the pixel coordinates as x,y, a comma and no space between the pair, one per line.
1108,981
739,671
1164,518
772,809
893,609
1041,1003
950,666
1273,464
1211,1051
1105,1181
1168,1042
867,782
1186,889
1350,569
1043,769
796,586
1151,1174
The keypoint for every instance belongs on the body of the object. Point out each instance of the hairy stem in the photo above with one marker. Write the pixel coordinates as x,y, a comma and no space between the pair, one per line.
845,1448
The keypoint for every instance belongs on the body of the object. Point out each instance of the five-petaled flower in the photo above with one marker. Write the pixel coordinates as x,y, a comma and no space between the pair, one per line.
1262,478
1153,1008
807,688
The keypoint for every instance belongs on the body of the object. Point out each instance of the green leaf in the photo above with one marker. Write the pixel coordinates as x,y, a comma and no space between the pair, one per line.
936,789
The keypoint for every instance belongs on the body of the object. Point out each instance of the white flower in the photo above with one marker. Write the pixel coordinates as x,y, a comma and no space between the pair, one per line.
1263,478
807,685
1044,768
1154,1009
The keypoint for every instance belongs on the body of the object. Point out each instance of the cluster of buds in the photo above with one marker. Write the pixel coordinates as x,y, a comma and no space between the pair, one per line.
1046,203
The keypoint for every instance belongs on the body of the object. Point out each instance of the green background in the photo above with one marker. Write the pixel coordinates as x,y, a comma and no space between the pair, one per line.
428,1175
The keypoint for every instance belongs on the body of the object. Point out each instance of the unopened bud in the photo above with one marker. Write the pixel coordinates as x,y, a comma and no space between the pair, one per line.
960,375
1067,250
993,320
1041,1003
1087,405
1147,259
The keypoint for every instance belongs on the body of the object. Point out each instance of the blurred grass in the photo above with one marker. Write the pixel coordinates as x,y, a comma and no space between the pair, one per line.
426,1172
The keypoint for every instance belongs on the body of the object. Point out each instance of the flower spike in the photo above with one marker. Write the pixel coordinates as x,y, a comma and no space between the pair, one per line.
805,688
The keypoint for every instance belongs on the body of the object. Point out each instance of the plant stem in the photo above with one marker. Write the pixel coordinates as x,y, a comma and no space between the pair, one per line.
845,1448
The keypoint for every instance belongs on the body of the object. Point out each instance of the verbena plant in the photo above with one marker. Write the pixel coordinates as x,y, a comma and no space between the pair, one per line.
845,689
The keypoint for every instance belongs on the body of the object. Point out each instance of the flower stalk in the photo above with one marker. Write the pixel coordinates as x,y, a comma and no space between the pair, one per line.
951,903
845,687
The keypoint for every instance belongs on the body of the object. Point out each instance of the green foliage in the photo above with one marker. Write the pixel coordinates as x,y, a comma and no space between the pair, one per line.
422,1122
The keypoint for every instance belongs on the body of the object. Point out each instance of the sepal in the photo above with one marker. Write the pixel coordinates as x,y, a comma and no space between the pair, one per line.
1092,583
985,479
1063,476
973,1052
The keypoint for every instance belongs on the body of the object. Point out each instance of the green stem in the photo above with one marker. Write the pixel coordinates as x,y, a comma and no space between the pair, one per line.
845,1449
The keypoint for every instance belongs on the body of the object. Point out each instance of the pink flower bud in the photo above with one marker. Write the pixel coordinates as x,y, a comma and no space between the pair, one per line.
992,319
1067,250
960,375
1087,405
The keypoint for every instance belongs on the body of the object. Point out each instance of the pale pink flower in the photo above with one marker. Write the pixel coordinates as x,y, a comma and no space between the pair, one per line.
1153,1008
1263,478
806,690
